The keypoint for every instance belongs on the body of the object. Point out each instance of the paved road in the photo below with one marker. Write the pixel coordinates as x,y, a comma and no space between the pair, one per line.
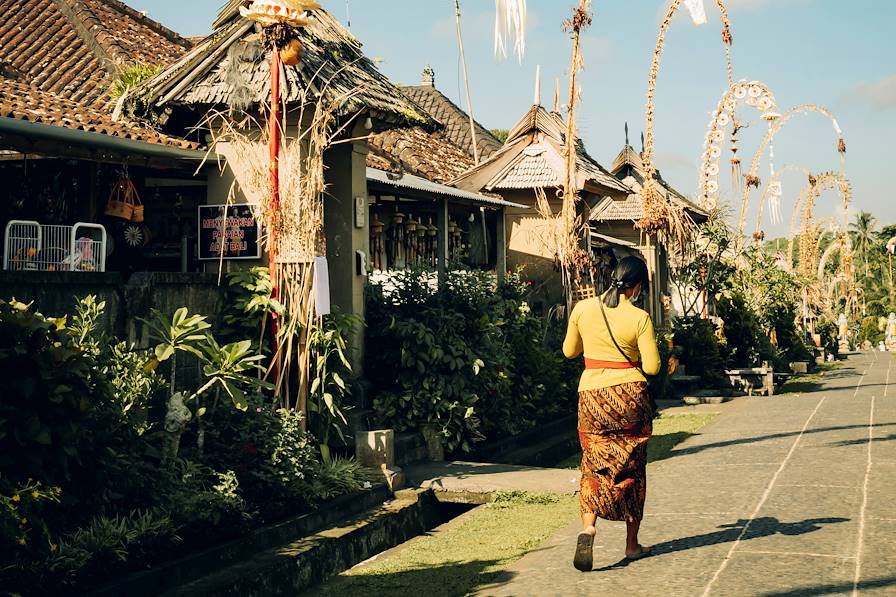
784,496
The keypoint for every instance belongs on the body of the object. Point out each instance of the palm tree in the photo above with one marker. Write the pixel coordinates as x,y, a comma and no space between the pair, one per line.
863,232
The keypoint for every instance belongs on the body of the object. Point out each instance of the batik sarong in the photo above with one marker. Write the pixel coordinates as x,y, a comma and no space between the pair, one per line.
614,426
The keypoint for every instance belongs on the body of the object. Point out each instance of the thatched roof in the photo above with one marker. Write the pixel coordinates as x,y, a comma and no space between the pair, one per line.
629,168
75,49
231,68
532,157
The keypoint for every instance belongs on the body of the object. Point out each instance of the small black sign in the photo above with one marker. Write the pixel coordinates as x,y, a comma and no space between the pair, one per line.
229,232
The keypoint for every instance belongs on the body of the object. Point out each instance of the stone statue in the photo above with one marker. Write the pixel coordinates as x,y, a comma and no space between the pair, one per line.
891,333
843,335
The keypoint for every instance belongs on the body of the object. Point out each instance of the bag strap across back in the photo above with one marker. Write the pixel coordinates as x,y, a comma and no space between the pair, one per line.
653,404
616,344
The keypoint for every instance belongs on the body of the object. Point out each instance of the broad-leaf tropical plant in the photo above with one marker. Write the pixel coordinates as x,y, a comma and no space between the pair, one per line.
183,332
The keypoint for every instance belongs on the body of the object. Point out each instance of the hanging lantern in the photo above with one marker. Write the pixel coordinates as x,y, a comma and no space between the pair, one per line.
376,241
433,232
411,244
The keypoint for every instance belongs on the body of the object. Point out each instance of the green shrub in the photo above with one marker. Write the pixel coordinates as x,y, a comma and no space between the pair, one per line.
746,342
273,460
700,349
112,543
466,356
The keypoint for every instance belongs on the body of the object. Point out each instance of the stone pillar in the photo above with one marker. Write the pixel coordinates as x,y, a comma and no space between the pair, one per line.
501,242
346,177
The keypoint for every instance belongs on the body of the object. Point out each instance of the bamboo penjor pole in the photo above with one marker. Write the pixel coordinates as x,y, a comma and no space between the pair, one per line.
274,147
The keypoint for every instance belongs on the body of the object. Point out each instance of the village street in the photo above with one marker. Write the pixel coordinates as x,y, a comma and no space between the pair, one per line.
784,496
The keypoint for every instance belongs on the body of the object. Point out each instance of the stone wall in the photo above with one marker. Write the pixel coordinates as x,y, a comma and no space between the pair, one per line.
127,300
55,294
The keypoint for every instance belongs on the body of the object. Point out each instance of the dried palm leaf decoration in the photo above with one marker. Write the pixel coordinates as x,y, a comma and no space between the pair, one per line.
510,27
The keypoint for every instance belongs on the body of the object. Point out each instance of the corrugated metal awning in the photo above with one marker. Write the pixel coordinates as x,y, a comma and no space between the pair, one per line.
610,240
409,182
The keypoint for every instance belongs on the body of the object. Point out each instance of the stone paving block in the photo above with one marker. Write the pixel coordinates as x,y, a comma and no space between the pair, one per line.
804,540
783,575
881,489
823,466
807,519
879,558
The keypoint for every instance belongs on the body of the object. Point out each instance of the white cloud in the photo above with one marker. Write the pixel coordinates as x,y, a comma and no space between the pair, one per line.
878,95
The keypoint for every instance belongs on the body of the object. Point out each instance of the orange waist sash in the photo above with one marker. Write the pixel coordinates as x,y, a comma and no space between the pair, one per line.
596,364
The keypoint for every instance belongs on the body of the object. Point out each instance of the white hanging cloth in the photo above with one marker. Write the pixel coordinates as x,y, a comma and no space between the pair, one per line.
510,27
774,188
698,12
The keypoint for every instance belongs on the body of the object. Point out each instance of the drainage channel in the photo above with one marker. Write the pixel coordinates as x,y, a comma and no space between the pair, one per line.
376,539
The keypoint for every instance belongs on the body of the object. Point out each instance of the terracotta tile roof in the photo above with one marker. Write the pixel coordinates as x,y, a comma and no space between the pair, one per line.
428,155
74,48
23,102
454,119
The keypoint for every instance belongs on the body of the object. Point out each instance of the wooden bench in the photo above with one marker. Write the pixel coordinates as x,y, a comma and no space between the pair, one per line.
757,380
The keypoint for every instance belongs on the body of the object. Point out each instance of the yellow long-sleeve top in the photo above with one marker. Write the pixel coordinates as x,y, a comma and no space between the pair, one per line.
633,330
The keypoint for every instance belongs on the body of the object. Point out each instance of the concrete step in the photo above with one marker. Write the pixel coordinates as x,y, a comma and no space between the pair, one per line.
477,482
298,565
168,575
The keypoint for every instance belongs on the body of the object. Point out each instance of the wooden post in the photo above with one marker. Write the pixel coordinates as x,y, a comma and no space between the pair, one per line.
501,246
442,240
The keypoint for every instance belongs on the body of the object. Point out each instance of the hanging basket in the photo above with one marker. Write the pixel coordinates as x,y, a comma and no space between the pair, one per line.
124,202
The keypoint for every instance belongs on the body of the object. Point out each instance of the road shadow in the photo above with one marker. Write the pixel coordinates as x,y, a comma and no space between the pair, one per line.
845,588
453,578
760,438
765,526
863,441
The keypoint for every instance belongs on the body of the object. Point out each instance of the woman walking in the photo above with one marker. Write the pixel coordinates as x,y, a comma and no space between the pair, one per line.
615,410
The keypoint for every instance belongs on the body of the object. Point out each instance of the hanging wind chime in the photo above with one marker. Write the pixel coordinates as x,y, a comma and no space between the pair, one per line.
280,21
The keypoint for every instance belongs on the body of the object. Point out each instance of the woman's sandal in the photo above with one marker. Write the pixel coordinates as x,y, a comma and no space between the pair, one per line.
644,553
584,558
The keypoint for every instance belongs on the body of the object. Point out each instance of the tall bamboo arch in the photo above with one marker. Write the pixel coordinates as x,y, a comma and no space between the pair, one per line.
809,196
840,245
753,93
656,208
752,177
809,258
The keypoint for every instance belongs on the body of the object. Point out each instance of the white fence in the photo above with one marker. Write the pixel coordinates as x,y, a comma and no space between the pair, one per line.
31,246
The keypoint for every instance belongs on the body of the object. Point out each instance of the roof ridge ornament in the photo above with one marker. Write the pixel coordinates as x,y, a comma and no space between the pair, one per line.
429,76
272,12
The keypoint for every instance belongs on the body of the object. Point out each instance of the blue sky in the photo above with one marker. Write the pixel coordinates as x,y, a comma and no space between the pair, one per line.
830,52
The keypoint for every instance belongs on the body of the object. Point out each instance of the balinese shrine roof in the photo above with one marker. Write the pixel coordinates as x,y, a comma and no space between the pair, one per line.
629,167
231,68
532,157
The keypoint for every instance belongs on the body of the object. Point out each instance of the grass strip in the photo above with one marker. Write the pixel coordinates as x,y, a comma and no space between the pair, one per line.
475,549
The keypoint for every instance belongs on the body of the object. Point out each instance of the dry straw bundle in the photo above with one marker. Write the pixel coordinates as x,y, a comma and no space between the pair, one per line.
293,228
573,257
